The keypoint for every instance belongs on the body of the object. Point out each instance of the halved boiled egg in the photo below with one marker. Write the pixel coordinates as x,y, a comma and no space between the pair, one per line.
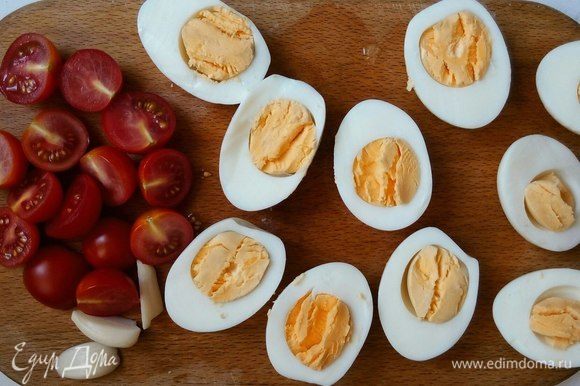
381,166
319,324
270,142
458,63
427,294
205,47
538,182
227,273
558,84
538,314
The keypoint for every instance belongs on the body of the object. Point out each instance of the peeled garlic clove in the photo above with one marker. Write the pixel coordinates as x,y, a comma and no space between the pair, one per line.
87,361
113,331
150,296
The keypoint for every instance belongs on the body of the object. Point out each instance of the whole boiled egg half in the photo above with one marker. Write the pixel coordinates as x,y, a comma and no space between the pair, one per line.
381,166
458,63
558,84
270,142
538,314
319,323
205,47
427,294
538,182
227,273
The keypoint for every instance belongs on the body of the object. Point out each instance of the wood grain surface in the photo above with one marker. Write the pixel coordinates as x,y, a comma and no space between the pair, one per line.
322,43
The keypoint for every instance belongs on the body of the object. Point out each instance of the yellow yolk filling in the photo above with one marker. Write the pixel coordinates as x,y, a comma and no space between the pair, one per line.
283,138
219,43
317,328
386,172
229,266
557,320
549,203
457,50
437,284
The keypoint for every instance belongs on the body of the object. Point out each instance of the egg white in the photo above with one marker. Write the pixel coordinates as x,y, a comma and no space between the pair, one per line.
159,25
341,280
467,107
523,161
413,338
245,186
513,305
193,310
368,121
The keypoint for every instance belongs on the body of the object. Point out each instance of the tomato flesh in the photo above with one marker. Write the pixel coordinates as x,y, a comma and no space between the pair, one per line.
37,198
19,239
30,69
13,163
106,292
107,245
165,177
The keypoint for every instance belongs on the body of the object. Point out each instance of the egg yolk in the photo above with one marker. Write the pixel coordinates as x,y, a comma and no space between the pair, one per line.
386,172
317,328
457,50
557,320
218,43
549,203
283,138
229,266
436,284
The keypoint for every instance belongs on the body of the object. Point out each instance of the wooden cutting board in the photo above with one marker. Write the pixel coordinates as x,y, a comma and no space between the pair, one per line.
349,51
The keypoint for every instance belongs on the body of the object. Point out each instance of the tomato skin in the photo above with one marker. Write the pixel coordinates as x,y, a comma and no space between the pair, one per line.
29,70
108,245
114,170
90,79
38,198
13,163
158,236
165,177
55,140
80,211
52,276
106,292
19,239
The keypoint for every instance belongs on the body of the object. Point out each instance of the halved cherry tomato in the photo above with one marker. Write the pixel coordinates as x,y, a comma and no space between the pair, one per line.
165,177
19,239
55,140
114,170
80,211
138,122
106,292
90,79
29,70
13,163
159,235
53,274
37,198
108,245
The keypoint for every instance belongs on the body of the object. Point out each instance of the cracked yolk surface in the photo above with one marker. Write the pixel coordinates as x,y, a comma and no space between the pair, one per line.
386,172
317,328
549,203
283,138
218,43
229,266
457,50
557,320
437,284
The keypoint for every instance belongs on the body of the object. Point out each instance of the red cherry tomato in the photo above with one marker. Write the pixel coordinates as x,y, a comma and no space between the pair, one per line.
138,122
29,70
80,211
114,170
13,163
19,239
159,235
108,245
90,79
55,140
165,177
106,292
37,198
53,275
